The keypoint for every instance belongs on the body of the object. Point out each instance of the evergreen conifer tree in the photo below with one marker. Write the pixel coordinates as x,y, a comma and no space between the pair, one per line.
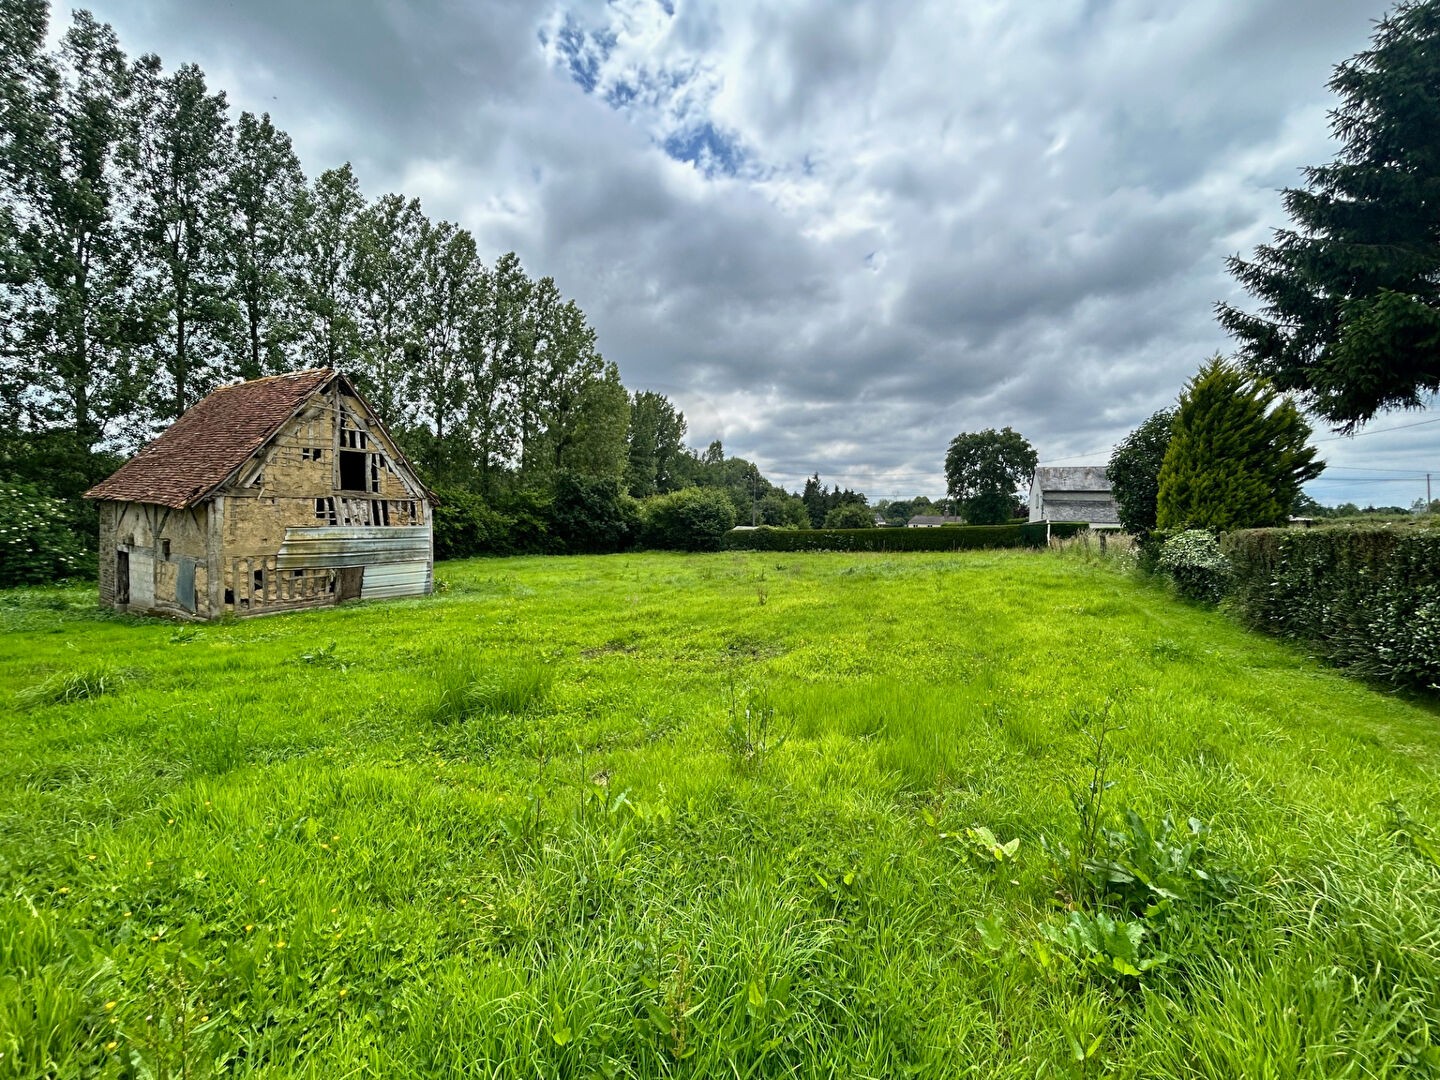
1237,456
1349,295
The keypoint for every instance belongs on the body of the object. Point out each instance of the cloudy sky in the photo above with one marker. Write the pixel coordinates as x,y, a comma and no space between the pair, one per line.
838,233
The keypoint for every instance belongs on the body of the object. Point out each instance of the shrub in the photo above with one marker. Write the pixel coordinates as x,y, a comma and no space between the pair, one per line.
948,538
692,519
1368,596
465,525
593,516
1194,562
38,539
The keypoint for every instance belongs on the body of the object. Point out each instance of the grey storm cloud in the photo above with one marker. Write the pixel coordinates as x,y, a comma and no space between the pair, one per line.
836,235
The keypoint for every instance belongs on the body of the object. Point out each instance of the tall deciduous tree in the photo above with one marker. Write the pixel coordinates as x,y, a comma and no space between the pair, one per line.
1238,455
494,341
1134,471
71,330
388,300
1349,313
448,269
261,194
656,441
328,209
984,469
179,154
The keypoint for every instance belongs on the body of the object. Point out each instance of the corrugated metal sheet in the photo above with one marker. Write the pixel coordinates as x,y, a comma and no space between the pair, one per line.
329,547
396,579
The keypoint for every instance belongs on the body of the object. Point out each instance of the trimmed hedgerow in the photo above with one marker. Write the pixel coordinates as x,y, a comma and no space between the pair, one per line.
1193,561
1367,596
946,538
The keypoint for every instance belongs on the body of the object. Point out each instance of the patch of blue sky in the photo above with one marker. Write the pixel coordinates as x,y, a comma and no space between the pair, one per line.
706,147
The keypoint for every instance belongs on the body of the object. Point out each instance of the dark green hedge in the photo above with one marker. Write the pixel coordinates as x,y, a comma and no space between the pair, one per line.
1367,596
945,538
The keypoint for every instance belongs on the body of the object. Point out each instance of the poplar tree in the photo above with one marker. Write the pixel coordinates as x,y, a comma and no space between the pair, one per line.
72,329
386,293
179,154
261,195
1237,457
325,224
1349,294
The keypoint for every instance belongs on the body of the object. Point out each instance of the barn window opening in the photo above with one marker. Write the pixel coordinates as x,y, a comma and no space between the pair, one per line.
352,470
230,597
259,581
165,549
375,472
311,453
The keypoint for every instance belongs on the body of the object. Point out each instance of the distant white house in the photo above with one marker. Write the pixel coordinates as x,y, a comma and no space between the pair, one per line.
932,521
1074,493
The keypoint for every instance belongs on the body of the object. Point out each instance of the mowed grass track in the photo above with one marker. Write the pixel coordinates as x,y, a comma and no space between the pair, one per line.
527,828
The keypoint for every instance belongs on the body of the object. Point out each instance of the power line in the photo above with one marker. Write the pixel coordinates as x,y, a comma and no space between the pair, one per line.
1382,431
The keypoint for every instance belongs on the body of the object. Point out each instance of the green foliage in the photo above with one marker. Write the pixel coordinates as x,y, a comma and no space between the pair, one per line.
1365,596
465,525
38,542
984,470
1104,945
1349,294
692,519
1237,457
593,516
850,516
946,538
782,511
1194,561
1134,472
1146,872
656,443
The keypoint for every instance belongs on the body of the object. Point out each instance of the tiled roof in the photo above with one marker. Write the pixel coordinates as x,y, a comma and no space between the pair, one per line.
1071,478
198,452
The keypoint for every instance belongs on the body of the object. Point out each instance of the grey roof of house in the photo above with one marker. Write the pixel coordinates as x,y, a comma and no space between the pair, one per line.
934,519
1071,478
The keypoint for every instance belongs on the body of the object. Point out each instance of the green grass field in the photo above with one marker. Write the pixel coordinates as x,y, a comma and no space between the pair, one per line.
715,815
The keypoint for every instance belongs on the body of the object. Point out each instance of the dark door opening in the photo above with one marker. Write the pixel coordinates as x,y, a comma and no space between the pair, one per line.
352,470
122,577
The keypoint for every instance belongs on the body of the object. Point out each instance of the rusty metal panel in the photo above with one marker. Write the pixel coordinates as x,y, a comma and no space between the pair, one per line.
396,579
329,547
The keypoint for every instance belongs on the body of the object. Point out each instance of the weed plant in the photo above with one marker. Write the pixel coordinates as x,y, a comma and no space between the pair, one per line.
611,816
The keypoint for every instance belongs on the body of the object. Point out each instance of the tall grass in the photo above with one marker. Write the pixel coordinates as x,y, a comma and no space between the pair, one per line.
614,817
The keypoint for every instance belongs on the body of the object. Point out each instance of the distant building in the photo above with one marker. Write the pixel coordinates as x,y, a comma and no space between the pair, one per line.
279,493
1074,493
932,521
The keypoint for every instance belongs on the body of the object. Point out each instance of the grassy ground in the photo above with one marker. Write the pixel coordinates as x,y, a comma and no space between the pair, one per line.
711,815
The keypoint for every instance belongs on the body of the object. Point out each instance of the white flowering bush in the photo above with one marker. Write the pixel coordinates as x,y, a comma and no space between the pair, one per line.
1194,562
38,540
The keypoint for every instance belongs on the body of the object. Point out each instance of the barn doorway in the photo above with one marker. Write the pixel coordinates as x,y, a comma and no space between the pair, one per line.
122,577
348,582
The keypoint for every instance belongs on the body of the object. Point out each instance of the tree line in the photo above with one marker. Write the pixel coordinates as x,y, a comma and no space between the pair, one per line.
153,246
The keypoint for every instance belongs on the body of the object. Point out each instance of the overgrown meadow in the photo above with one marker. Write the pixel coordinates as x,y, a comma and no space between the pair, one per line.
992,814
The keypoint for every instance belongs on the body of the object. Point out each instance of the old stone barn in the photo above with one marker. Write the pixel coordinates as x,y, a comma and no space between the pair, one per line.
281,493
